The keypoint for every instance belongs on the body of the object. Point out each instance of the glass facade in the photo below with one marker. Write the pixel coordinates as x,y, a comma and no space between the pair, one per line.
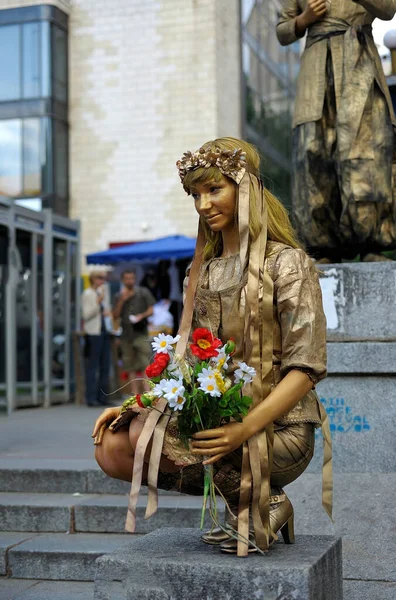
33,107
269,75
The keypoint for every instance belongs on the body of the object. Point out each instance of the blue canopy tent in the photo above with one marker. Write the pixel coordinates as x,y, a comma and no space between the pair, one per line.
174,246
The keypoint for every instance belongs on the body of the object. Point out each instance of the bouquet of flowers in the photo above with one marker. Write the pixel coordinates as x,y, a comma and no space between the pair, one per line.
198,391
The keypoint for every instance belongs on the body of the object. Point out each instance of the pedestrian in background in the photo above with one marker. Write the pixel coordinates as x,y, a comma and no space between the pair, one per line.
133,306
95,313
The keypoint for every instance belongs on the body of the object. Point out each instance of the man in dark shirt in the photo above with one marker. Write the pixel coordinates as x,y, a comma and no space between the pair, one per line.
132,306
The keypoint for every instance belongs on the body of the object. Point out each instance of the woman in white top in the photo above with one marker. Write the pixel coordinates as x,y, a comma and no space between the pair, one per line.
97,341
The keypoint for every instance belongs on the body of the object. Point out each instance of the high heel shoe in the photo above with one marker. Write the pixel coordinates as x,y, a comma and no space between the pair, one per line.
218,535
281,519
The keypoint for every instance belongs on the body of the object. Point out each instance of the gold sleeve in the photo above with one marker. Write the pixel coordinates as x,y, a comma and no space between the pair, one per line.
286,27
381,9
298,299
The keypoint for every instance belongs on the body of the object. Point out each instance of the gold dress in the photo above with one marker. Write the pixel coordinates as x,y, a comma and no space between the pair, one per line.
299,343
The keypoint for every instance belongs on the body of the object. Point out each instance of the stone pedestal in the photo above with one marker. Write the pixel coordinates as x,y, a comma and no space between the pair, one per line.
360,392
174,564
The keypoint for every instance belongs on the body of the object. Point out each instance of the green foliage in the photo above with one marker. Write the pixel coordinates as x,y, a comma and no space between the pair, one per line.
202,411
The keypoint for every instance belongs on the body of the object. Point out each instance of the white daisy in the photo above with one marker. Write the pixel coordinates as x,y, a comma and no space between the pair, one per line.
209,386
174,370
222,358
206,374
244,373
174,389
177,403
160,388
164,343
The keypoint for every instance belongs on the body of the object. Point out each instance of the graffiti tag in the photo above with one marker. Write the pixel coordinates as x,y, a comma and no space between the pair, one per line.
342,418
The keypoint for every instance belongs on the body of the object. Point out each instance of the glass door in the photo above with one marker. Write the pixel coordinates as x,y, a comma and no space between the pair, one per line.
29,316
25,317
59,359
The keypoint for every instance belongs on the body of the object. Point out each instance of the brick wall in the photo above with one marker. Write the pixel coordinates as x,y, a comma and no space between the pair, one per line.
148,80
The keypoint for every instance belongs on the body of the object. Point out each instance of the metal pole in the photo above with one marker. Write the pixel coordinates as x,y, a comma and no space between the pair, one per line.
11,316
34,318
77,291
67,370
47,301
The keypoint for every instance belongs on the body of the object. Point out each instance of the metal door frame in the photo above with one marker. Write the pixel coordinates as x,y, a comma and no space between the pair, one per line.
51,227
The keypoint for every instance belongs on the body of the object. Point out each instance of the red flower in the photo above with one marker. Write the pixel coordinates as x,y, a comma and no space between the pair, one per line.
205,345
138,400
160,363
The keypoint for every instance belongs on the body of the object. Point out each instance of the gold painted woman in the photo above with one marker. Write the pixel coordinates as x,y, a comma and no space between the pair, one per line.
249,281
343,130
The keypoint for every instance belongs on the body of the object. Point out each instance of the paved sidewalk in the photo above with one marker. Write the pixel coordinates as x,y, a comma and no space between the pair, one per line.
60,432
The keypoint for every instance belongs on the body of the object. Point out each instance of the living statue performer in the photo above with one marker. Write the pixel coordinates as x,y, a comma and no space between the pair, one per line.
250,281
343,130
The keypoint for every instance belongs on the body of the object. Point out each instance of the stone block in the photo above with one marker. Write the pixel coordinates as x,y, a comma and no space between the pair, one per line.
100,483
7,541
359,301
175,564
108,514
42,480
45,590
35,512
369,590
11,589
361,358
362,415
364,506
60,556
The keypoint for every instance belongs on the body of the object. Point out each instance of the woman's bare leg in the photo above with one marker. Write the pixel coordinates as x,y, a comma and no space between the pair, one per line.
116,453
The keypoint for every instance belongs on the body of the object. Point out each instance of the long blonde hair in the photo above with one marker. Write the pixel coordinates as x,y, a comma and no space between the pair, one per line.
279,227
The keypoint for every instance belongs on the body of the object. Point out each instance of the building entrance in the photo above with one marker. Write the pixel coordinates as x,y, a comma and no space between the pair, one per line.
39,304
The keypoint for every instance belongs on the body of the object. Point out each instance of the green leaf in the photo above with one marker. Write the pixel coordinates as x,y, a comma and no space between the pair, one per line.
226,412
247,400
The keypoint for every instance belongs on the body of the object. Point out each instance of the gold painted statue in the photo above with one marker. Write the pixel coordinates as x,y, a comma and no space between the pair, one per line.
250,281
344,200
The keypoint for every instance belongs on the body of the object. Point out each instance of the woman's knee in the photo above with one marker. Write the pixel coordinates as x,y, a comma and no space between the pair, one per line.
113,452
293,451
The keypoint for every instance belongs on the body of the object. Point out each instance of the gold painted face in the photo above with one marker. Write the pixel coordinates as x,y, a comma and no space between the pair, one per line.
215,203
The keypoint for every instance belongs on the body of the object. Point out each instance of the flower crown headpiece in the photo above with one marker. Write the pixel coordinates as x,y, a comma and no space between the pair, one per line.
231,163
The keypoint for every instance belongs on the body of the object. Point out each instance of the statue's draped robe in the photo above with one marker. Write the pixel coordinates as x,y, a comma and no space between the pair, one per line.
343,138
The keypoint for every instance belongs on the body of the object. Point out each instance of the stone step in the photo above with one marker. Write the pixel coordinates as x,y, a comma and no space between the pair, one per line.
25,589
57,476
174,563
364,507
369,590
92,513
55,556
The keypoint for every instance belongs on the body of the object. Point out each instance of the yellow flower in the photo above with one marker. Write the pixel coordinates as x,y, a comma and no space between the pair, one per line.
219,381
